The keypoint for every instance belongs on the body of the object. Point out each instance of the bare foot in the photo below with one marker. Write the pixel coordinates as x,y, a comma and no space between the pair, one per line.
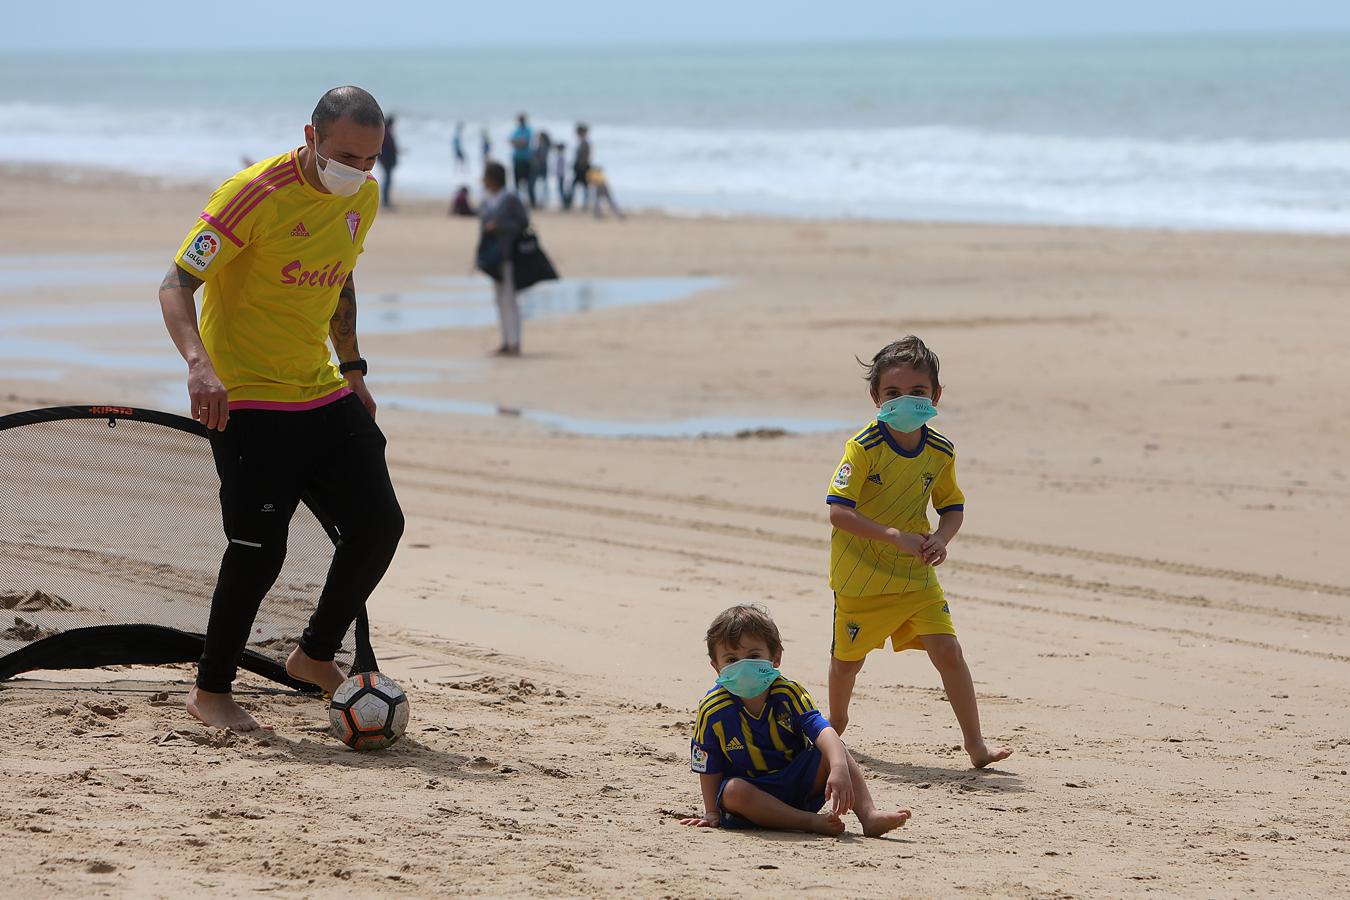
324,673
875,823
219,711
828,824
982,754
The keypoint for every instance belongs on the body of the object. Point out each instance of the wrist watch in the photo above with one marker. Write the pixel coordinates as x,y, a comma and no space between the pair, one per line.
359,364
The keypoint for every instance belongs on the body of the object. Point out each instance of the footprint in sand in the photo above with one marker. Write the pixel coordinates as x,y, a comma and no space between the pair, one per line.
481,764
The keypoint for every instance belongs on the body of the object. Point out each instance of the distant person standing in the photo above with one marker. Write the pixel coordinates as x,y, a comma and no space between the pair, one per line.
457,148
581,165
560,169
502,219
388,159
486,141
543,146
522,157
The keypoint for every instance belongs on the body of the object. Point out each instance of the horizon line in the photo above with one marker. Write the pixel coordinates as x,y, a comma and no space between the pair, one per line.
1304,31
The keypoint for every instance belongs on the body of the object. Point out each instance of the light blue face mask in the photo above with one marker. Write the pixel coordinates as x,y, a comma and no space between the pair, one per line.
906,414
748,677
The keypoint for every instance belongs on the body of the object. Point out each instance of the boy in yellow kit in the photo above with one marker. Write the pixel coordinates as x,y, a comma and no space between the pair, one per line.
882,549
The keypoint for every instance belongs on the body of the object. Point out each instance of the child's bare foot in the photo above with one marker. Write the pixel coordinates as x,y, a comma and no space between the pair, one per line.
828,823
982,754
324,673
877,823
219,711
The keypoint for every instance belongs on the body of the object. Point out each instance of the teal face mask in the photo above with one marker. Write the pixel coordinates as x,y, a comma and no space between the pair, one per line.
906,414
748,677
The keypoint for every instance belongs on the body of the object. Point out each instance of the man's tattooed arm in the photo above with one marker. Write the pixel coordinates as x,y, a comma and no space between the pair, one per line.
342,327
177,278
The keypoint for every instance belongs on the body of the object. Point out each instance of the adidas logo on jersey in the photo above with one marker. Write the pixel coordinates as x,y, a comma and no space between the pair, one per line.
874,478
299,230
735,744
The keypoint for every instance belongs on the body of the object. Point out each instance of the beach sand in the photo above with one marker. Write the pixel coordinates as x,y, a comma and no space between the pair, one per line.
1152,435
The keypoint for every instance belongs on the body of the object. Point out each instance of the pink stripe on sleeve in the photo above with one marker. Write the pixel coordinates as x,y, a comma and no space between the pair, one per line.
246,189
259,196
220,226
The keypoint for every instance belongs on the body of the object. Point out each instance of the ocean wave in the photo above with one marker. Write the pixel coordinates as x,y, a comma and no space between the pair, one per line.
927,172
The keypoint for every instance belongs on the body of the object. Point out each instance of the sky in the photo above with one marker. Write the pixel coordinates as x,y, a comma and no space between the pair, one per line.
143,25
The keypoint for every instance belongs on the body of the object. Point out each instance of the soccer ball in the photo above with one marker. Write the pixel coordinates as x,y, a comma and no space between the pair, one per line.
369,711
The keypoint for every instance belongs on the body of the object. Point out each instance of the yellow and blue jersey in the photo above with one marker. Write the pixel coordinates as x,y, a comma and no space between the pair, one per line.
893,487
729,741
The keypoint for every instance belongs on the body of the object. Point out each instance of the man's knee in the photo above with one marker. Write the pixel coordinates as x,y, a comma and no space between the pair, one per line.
379,529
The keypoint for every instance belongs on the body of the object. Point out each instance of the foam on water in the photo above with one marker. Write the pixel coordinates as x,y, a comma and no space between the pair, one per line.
1245,133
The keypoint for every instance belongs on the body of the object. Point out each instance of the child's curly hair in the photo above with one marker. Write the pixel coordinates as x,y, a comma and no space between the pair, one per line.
908,351
731,625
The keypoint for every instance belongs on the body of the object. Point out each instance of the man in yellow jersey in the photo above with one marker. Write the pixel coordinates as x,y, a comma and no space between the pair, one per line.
275,247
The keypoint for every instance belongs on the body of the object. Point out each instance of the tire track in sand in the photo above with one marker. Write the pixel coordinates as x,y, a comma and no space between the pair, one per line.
1126,560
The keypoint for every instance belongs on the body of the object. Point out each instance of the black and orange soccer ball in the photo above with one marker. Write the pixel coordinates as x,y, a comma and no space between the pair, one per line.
369,711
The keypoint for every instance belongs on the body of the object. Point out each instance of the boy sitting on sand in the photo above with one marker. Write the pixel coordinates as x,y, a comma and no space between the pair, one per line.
882,553
765,755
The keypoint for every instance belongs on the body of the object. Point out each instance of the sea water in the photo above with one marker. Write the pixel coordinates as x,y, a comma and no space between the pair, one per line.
1240,132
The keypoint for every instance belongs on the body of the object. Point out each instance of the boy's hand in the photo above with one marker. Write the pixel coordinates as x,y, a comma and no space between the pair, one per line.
703,821
909,542
934,550
839,791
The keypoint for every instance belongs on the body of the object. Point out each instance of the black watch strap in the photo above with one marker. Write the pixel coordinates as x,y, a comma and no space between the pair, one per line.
354,364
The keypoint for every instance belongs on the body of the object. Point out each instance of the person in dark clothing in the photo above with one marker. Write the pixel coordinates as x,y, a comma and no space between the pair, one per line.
543,148
503,218
388,159
460,204
581,165
560,169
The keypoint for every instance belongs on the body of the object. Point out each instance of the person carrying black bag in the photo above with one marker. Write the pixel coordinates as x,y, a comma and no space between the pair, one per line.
509,253
503,218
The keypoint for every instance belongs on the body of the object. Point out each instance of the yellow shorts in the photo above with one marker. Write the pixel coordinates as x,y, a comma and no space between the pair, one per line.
862,624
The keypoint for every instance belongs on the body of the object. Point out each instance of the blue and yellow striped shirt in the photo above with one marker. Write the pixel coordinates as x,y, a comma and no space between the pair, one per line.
729,741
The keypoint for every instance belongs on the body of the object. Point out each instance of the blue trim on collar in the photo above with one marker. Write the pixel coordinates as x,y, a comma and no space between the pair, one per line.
894,445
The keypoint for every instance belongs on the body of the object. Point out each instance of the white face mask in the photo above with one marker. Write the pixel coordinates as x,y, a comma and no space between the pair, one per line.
338,178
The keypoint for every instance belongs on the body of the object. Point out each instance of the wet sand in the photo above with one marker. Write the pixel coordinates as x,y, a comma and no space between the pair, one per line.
1151,432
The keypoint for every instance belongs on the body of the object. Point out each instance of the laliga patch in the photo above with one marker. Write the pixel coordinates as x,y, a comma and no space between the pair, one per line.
699,760
843,475
202,250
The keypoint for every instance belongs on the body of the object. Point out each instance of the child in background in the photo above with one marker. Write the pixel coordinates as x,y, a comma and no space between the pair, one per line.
765,756
595,177
883,550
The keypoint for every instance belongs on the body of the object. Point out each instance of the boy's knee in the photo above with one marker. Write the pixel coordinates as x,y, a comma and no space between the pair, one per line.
846,666
944,650
734,792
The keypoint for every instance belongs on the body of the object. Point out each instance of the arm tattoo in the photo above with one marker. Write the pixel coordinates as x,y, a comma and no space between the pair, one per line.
176,278
342,327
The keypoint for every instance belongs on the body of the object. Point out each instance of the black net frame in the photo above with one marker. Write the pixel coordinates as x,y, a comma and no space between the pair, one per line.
111,538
